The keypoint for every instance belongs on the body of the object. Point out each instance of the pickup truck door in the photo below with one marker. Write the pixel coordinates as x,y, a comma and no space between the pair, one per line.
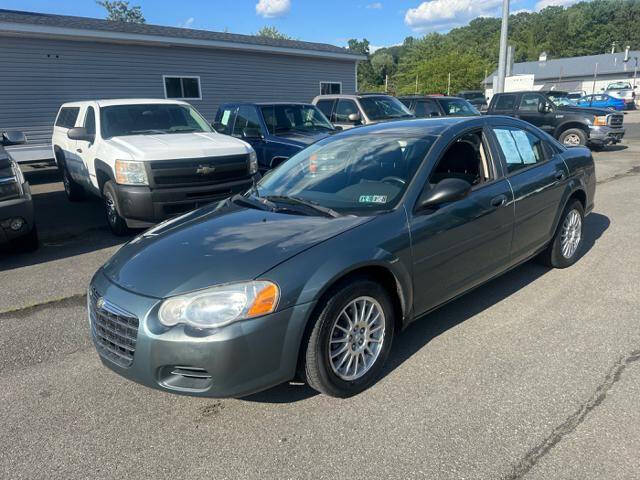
538,177
86,151
537,110
463,243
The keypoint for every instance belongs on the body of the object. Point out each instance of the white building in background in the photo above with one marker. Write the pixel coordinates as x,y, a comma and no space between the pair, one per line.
572,74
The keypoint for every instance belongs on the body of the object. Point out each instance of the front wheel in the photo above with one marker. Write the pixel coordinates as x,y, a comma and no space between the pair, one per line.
117,224
564,248
350,340
573,137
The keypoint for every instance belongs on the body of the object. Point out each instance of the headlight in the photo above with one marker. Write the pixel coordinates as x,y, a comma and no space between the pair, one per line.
18,173
600,121
130,172
221,305
253,162
9,188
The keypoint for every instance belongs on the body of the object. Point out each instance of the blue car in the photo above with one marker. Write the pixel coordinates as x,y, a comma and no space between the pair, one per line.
602,100
276,131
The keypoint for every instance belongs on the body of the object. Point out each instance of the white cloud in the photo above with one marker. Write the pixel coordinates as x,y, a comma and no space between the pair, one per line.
188,23
446,14
375,5
554,3
273,8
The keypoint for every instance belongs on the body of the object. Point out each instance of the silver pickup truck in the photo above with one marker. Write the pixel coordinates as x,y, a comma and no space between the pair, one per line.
623,91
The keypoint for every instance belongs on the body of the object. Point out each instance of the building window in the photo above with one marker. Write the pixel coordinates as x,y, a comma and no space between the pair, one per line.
330,88
186,88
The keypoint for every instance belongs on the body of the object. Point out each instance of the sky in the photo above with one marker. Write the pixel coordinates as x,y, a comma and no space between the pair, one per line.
383,23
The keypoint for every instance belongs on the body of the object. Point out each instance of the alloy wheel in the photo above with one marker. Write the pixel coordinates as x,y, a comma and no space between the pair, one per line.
571,234
356,340
572,139
110,205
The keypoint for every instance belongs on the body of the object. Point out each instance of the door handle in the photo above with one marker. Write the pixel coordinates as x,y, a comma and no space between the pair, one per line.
79,150
498,201
559,175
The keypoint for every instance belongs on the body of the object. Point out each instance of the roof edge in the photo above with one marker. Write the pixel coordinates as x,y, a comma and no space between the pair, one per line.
46,31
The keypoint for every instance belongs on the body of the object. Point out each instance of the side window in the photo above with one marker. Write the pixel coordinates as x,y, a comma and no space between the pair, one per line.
67,117
246,118
326,107
427,108
182,88
530,102
90,121
505,102
467,159
520,148
330,88
344,109
224,120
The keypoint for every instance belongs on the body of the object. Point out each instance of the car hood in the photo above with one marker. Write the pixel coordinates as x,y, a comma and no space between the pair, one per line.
586,110
302,139
177,145
217,244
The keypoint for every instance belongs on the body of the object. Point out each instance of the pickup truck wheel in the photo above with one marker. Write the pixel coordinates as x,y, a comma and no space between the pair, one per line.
73,190
350,339
564,248
573,137
117,224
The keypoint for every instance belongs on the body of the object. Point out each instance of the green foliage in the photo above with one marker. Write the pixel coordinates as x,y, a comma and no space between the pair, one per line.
272,32
120,11
586,28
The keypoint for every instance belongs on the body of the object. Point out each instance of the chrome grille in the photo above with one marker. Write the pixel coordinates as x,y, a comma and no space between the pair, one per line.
616,120
114,330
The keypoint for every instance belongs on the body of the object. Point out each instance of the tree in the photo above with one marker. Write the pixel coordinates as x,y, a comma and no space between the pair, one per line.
383,65
120,11
272,32
358,46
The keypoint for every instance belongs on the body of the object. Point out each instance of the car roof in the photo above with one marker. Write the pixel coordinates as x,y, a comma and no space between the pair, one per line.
267,104
419,126
435,97
351,96
124,101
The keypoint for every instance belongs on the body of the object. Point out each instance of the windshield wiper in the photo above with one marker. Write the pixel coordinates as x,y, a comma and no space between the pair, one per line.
326,211
151,130
253,202
183,130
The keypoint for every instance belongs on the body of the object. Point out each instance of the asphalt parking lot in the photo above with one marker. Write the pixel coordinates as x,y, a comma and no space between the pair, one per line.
535,375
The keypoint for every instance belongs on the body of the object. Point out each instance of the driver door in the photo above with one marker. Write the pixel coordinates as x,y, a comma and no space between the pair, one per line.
460,244
533,109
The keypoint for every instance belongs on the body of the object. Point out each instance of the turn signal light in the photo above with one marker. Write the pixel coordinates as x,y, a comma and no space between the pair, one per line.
600,121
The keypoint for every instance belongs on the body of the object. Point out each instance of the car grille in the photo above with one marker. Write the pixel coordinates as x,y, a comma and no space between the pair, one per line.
616,120
114,330
199,171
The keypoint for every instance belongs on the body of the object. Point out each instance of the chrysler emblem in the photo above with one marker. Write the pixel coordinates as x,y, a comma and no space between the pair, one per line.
205,169
100,303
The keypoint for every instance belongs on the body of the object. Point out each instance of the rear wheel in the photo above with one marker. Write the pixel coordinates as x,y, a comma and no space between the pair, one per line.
72,189
563,251
350,340
117,224
573,137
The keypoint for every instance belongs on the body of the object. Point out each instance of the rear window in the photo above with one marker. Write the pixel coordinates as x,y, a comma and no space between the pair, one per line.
505,102
67,117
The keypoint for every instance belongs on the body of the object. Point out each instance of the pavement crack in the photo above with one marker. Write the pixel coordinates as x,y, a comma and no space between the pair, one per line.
534,455
629,173
77,300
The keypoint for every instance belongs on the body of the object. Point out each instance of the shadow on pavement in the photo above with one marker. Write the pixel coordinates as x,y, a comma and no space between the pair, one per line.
421,332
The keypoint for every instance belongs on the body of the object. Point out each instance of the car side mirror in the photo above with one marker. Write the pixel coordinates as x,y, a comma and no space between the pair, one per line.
13,137
251,133
445,191
80,133
354,117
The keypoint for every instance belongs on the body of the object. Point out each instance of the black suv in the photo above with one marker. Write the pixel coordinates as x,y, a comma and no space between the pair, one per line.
17,226
569,124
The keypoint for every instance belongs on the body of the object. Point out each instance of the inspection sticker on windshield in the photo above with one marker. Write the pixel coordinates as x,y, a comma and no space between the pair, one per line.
373,199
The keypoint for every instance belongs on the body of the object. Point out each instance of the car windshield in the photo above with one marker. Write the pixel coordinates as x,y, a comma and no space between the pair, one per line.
619,85
147,119
383,107
284,118
350,174
457,107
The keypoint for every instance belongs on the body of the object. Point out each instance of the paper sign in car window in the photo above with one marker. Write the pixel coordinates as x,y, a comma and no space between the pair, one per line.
508,146
373,199
524,147
225,117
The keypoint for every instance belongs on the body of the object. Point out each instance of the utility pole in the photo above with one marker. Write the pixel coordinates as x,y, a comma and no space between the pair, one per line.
449,85
386,83
417,83
593,90
502,61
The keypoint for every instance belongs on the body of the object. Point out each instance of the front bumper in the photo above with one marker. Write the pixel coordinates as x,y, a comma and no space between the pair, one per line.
605,135
144,206
233,361
18,207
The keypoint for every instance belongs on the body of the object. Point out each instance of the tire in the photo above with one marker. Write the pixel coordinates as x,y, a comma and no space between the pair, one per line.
28,243
319,370
555,255
73,190
117,224
573,137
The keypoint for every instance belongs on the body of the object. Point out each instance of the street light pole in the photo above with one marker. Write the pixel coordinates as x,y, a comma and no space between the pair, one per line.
502,61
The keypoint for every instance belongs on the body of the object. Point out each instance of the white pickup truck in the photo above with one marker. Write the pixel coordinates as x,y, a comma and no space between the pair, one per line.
147,159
